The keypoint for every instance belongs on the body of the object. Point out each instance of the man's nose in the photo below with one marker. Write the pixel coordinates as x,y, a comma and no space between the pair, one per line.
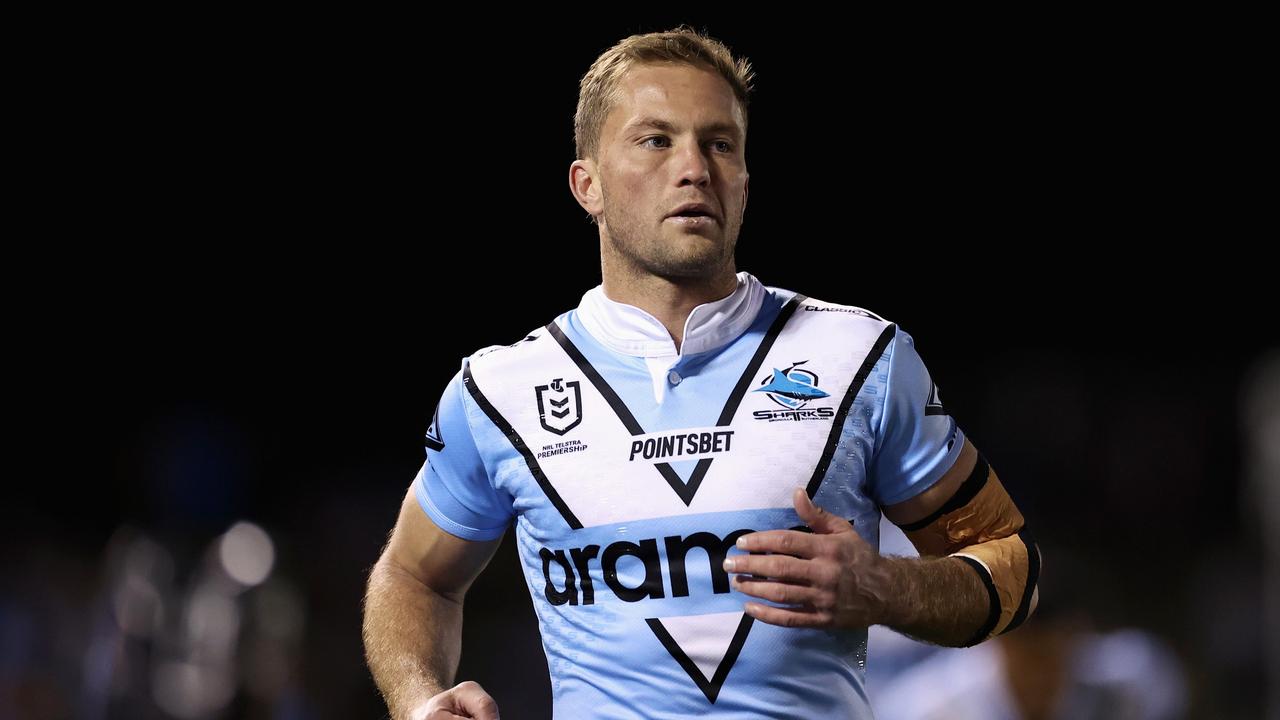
695,167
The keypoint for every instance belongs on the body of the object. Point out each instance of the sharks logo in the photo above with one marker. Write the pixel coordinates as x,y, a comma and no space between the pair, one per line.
560,405
792,388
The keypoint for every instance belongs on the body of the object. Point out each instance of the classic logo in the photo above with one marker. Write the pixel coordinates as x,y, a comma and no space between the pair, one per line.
850,310
559,405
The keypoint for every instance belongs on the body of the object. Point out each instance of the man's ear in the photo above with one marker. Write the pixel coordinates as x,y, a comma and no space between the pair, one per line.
585,186
745,183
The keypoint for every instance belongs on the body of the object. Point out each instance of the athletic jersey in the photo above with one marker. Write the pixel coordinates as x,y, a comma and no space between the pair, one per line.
630,469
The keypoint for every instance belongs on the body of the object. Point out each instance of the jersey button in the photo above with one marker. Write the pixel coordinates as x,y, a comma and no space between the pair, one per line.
674,377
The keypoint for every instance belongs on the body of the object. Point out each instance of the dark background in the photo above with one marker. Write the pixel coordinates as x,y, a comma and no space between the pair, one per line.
289,234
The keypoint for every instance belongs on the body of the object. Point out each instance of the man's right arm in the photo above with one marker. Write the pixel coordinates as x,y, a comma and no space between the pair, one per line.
413,618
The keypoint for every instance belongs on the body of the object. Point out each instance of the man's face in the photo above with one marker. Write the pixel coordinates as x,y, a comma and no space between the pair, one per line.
675,137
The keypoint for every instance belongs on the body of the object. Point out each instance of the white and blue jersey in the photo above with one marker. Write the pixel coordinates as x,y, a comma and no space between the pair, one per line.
629,470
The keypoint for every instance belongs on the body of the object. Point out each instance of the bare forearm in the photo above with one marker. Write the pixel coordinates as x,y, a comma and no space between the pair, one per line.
412,638
937,600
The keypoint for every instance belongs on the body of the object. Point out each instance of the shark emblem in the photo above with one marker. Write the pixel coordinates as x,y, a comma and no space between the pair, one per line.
791,388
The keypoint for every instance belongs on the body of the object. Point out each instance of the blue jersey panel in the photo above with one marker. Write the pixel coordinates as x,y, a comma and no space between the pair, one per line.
453,485
917,440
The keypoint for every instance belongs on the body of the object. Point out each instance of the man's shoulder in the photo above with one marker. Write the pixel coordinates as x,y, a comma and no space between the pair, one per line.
499,355
810,305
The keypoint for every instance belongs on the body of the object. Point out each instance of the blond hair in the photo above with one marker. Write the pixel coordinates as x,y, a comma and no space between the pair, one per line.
598,89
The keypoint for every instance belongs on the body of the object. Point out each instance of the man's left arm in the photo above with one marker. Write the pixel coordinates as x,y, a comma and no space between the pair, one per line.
976,576
966,518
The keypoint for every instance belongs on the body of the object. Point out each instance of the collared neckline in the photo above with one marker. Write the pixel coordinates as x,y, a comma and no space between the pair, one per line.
630,330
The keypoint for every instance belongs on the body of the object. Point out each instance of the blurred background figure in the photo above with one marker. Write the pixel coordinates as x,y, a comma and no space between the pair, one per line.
1058,666
157,639
1260,410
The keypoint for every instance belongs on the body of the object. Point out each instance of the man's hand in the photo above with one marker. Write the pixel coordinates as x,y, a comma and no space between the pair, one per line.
464,700
831,578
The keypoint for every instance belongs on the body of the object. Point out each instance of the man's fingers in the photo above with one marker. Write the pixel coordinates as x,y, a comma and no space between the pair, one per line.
787,542
780,567
471,698
784,593
794,542
804,617
815,517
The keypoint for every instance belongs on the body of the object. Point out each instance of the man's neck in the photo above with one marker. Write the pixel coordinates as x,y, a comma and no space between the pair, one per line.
670,301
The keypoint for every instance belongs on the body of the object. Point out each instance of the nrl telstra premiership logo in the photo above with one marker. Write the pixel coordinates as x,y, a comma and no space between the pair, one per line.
559,405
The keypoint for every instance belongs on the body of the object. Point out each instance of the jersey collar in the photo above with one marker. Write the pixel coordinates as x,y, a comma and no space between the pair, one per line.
629,330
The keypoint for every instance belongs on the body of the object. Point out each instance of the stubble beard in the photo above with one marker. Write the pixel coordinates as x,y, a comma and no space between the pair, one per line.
657,253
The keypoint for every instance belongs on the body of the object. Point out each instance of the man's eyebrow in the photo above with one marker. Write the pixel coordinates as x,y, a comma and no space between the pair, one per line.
663,125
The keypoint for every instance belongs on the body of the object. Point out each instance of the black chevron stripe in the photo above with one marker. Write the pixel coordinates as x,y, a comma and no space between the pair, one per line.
833,439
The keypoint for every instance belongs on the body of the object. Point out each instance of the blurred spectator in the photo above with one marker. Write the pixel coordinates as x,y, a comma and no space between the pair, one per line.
1055,667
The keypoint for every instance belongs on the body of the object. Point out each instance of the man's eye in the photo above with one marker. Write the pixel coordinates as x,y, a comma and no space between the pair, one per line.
724,146
655,137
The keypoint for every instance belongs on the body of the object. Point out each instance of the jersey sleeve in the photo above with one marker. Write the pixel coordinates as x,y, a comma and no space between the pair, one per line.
916,440
453,486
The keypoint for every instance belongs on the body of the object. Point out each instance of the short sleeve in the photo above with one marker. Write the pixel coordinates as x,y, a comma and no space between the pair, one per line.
916,440
453,486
